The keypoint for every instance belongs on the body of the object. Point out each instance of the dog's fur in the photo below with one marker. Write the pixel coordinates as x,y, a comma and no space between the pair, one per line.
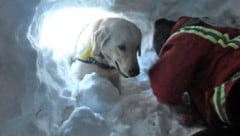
115,42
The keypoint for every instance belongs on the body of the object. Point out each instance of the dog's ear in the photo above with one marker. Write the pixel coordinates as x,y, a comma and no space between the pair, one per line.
100,37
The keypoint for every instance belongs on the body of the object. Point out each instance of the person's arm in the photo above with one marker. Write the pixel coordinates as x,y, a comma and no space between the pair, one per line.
173,72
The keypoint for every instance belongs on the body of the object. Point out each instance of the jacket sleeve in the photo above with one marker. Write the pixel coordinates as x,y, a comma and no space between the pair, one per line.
173,72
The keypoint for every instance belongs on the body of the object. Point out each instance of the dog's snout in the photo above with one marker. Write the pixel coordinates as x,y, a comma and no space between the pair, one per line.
134,72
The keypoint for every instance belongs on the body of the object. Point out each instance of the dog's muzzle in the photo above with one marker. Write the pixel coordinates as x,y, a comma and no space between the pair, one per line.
132,73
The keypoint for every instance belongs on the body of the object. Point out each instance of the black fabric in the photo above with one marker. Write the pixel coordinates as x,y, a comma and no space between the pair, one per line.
194,22
162,31
228,131
233,104
95,62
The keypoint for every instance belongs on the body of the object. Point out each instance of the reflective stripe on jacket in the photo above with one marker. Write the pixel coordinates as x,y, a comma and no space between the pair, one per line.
212,35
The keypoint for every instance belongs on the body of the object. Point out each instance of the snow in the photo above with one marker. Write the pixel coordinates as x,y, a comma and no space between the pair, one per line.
83,121
38,95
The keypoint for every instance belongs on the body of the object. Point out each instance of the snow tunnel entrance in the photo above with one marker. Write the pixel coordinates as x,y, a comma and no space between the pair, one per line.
54,33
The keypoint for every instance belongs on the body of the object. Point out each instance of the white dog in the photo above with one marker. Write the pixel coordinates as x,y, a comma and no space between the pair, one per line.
108,47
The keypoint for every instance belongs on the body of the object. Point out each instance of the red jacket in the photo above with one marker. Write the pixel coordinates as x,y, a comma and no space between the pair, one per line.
189,62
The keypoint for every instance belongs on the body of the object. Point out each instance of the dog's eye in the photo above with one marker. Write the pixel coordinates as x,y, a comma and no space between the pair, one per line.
122,47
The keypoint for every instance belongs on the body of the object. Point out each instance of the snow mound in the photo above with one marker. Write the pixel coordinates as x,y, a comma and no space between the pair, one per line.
83,122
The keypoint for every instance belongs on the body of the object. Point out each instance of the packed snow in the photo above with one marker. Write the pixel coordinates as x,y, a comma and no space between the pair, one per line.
39,96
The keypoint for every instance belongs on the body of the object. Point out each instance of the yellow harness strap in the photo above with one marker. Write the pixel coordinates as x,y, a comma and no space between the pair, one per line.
87,52
86,56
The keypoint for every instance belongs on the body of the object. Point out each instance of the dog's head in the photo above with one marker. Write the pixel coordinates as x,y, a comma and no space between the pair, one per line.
118,41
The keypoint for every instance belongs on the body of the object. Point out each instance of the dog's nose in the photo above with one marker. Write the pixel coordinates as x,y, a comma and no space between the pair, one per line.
134,72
